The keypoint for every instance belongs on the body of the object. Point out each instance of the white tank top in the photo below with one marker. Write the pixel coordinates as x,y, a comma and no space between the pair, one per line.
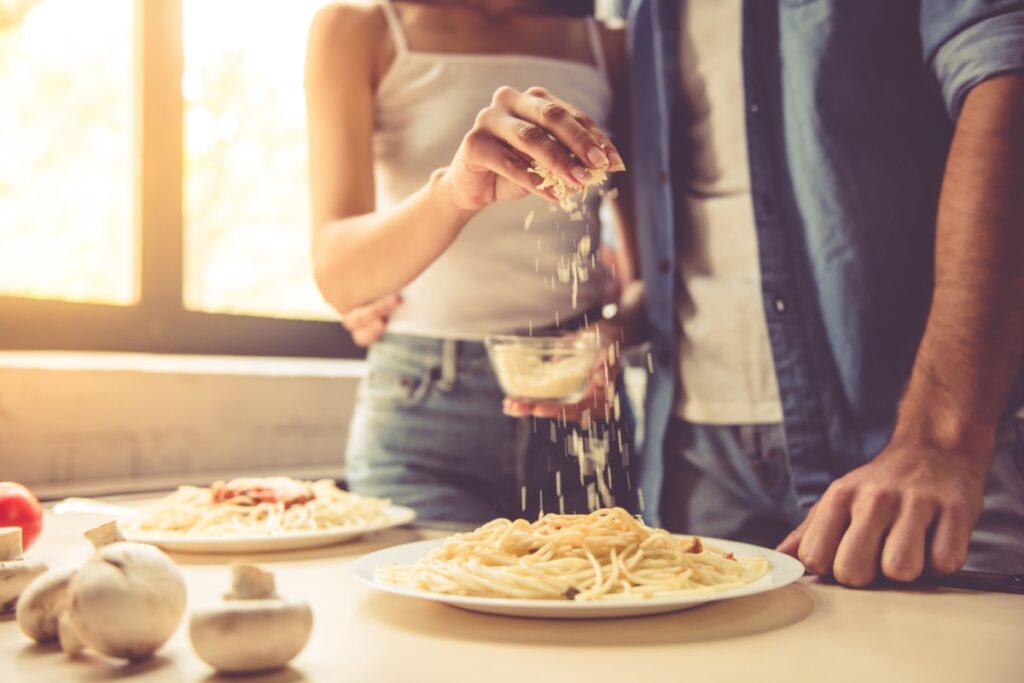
497,275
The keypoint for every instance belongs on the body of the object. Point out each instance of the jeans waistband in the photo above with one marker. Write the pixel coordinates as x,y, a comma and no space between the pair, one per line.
447,357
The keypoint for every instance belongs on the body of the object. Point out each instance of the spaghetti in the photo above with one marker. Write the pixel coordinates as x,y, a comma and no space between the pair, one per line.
261,506
605,555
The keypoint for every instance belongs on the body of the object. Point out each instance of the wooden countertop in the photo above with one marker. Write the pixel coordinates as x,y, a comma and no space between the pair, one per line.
807,631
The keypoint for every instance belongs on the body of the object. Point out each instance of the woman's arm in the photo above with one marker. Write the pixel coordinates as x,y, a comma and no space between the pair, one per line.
358,253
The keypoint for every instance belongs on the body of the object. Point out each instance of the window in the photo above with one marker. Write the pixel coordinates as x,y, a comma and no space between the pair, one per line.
246,199
66,165
153,188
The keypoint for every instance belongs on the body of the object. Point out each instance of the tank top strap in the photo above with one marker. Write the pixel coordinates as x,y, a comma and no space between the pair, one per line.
596,44
395,26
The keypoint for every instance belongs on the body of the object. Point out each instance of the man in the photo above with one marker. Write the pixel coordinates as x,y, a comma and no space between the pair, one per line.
852,301
831,230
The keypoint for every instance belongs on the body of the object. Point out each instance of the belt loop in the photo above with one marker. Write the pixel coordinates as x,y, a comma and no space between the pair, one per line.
449,364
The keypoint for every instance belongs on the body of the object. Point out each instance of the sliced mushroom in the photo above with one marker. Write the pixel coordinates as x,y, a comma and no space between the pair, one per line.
16,572
253,629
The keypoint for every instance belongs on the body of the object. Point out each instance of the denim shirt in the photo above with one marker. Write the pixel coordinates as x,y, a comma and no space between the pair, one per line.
850,108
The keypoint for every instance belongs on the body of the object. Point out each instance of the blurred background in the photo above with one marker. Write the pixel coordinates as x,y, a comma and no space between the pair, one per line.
77,146
158,317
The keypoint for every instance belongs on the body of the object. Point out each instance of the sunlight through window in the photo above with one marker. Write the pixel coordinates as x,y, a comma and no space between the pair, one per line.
65,150
247,233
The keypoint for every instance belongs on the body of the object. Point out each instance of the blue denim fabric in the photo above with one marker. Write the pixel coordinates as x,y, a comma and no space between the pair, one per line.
735,482
849,106
428,432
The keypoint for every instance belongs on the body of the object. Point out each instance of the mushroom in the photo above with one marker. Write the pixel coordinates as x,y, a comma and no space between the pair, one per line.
16,572
125,601
254,629
42,603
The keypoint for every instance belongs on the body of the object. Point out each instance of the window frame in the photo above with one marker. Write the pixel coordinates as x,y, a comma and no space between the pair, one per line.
158,320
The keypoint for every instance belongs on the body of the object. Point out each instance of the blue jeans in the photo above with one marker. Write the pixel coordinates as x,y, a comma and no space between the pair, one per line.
428,432
734,482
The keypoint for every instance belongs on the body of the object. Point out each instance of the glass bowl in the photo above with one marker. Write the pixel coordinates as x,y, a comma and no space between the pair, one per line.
543,369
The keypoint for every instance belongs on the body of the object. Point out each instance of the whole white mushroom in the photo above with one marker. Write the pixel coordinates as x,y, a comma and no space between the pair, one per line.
126,601
253,629
16,572
42,603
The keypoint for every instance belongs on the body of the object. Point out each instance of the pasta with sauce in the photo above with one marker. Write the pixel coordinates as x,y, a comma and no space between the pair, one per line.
257,506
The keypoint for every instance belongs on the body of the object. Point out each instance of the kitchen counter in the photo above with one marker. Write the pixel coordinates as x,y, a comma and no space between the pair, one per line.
806,631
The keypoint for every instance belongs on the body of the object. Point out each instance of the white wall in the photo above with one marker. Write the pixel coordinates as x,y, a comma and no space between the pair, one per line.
73,423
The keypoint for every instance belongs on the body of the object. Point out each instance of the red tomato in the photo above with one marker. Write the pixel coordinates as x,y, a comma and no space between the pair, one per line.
18,507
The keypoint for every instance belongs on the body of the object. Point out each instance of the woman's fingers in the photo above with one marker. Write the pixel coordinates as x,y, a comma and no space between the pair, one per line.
367,323
369,333
534,141
375,310
572,128
613,160
589,407
517,129
487,152
562,121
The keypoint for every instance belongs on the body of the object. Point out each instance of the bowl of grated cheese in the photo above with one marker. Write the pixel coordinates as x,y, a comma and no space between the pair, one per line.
544,369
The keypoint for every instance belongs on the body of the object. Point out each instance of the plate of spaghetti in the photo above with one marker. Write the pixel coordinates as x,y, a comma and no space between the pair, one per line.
261,514
604,564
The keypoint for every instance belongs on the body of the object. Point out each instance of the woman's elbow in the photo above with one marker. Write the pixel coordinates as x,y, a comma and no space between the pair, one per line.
333,280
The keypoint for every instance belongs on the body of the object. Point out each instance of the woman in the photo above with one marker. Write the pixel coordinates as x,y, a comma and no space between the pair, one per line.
416,151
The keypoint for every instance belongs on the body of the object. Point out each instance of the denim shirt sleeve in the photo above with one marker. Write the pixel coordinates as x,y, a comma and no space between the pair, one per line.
968,41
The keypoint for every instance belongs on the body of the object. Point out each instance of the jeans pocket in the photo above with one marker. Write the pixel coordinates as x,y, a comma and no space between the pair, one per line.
394,389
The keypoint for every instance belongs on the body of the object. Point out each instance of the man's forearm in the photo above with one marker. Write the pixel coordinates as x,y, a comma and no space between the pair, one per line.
974,340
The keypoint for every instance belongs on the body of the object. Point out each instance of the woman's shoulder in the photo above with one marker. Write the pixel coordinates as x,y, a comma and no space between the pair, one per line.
360,21
353,34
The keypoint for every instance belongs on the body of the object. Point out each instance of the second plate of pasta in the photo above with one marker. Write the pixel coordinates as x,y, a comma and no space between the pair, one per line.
261,515
576,567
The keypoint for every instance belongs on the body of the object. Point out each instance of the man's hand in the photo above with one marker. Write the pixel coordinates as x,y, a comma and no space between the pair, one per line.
910,510
367,323
913,508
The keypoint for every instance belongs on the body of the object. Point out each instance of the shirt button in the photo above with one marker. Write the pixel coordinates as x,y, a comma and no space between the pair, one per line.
664,266
755,109
663,176
780,305
768,205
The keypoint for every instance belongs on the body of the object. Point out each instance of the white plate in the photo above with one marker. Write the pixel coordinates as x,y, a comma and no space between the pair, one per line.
784,570
394,515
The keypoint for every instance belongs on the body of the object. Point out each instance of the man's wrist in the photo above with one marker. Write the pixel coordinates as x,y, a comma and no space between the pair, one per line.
924,422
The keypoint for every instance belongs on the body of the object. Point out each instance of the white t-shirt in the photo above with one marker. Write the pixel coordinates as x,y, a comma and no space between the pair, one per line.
725,360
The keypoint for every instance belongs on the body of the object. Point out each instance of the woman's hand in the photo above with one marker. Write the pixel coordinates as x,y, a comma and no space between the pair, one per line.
516,130
598,402
368,323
